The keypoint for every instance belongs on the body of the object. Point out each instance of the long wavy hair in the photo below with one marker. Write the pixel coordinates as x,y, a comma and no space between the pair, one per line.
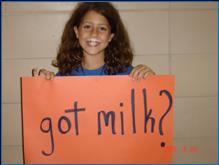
118,54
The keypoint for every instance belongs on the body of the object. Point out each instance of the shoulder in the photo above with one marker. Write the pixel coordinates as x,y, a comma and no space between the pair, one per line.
127,70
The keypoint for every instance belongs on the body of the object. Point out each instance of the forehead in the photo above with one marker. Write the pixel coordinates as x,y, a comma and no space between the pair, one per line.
94,17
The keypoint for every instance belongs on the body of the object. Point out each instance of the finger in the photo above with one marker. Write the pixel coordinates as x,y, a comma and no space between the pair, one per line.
139,72
148,74
34,72
50,75
42,72
142,73
135,71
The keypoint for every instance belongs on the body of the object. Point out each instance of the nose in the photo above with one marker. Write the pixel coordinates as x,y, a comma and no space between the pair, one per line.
94,32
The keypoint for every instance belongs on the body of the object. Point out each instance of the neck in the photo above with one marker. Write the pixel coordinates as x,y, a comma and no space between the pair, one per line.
92,62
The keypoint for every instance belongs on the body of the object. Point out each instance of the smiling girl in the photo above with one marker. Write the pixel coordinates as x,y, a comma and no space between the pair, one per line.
95,42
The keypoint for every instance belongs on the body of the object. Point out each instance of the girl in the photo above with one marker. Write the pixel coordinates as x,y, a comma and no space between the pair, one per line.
95,42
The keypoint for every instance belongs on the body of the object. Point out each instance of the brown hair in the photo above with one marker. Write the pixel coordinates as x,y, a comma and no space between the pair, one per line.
118,54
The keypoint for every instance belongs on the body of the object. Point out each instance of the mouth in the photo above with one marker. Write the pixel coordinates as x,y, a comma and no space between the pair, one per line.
93,42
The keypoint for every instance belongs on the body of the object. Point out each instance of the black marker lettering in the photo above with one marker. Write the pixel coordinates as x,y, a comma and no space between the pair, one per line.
167,111
147,115
75,110
122,123
133,110
106,117
49,129
68,122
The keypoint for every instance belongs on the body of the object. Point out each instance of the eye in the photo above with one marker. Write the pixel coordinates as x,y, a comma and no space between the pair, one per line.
103,29
87,27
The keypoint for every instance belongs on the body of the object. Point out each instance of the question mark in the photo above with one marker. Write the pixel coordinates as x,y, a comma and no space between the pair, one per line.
167,93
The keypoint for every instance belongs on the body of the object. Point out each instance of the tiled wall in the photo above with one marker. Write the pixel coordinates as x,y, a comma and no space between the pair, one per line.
171,37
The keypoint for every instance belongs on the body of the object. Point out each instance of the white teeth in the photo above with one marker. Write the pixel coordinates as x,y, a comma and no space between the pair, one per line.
93,42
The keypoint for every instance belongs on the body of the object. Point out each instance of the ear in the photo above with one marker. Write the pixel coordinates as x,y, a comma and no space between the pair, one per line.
76,31
111,37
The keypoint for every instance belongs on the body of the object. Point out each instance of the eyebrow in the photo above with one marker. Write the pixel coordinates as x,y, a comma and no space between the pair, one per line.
97,23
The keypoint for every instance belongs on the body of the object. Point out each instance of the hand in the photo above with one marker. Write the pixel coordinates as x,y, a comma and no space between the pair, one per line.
43,72
141,71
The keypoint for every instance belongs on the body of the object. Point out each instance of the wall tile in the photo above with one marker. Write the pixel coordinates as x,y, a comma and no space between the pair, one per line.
195,117
12,70
141,5
193,32
158,63
196,75
193,5
20,7
206,150
12,155
12,126
148,31
32,35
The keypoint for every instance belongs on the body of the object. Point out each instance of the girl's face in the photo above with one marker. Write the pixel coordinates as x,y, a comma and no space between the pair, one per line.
94,33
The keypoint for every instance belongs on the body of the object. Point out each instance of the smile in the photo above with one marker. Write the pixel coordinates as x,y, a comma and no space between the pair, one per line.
93,42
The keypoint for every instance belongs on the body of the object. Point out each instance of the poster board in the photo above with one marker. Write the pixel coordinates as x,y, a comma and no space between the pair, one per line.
97,119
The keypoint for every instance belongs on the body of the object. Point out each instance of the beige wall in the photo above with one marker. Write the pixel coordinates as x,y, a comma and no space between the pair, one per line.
176,38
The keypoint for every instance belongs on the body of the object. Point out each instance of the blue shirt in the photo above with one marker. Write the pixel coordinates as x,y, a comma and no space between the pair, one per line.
80,71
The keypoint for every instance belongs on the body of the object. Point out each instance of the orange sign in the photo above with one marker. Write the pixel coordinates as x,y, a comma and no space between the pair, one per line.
97,119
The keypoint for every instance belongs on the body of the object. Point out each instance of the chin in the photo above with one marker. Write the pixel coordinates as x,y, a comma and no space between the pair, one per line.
92,53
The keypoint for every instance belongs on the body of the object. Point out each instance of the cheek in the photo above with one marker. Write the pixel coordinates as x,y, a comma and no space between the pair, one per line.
82,34
106,38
